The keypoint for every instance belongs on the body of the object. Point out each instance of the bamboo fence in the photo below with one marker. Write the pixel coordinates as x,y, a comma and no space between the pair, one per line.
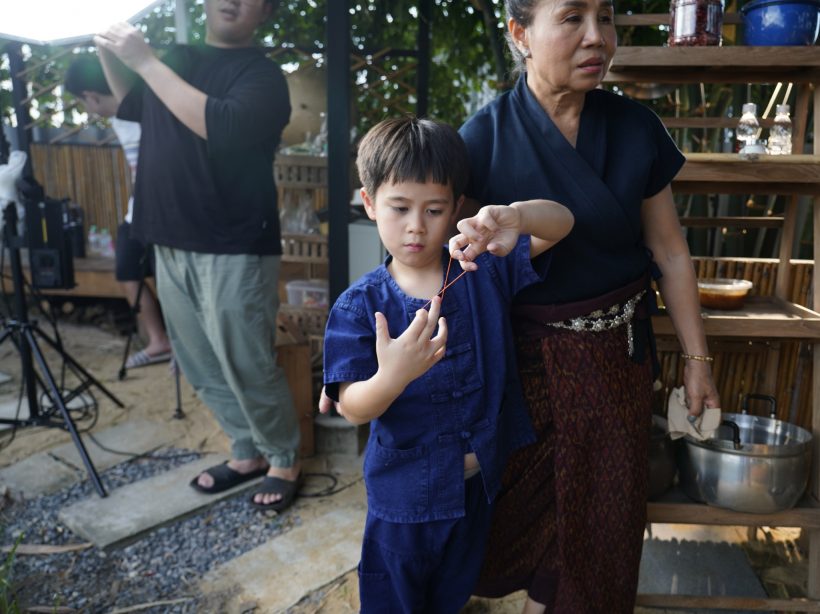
97,178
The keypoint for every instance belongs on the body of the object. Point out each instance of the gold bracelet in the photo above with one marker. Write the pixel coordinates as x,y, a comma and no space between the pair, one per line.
697,357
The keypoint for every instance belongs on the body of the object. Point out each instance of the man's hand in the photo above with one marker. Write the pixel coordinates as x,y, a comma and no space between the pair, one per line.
128,44
409,356
494,229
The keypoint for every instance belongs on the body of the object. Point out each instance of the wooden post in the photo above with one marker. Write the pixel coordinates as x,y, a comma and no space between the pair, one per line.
338,144
423,65
814,534
18,95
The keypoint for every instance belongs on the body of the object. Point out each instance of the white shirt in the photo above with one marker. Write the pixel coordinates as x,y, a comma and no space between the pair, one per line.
128,134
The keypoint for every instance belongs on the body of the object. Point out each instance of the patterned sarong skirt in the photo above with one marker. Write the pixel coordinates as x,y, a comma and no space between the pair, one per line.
569,521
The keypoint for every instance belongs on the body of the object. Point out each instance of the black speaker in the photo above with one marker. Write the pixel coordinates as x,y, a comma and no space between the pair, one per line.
51,260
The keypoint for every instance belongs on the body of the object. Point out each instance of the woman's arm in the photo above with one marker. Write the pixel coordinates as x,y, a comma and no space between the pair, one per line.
546,221
678,286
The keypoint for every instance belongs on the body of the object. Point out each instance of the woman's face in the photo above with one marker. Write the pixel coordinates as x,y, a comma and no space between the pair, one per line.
571,43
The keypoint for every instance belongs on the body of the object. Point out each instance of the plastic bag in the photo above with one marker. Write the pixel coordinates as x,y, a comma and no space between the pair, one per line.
9,174
297,215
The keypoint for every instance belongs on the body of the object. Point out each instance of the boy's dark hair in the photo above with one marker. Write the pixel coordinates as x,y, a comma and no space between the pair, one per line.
411,149
85,74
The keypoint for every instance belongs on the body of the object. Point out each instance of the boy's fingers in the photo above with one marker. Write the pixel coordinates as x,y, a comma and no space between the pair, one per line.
417,325
382,332
325,402
439,342
432,317
442,330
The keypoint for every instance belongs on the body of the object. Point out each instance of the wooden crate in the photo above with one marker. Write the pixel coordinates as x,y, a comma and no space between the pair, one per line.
300,171
307,249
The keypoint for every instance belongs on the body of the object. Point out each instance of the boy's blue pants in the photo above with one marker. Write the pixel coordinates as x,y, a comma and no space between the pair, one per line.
427,567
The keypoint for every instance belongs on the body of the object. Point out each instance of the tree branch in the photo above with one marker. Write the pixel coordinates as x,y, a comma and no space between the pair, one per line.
485,7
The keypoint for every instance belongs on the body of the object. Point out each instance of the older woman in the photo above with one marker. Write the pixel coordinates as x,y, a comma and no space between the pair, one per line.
569,523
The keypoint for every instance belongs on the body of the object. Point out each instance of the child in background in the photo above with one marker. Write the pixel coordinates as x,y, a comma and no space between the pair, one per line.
442,398
86,81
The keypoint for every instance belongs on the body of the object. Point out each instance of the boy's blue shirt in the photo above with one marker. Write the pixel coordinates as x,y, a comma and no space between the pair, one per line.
470,401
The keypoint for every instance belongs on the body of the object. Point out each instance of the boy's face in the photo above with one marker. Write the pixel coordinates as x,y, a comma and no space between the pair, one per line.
414,220
102,105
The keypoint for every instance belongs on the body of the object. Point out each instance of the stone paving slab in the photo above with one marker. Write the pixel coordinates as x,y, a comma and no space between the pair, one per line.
47,472
9,410
39,474
277,574
131,437
134,510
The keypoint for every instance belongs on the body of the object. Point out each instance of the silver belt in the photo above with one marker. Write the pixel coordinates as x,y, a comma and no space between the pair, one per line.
600,320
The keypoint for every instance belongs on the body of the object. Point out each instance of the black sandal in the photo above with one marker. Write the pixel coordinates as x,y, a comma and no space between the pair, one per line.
271,485
225,478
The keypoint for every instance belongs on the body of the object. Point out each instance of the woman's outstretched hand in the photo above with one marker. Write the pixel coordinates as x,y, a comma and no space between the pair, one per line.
494,229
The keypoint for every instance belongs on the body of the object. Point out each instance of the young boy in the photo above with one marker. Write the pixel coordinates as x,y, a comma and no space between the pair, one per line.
445,408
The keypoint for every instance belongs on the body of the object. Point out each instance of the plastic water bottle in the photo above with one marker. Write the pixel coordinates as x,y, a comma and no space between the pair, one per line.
780,136
106,244
93,241
748,127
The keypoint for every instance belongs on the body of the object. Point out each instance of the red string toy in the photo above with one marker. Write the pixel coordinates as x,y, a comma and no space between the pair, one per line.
446,284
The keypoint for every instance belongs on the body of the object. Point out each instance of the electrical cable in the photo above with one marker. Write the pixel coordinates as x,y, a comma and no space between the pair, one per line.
138,455
328,491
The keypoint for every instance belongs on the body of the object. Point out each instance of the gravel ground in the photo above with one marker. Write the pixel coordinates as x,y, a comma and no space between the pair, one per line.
165,565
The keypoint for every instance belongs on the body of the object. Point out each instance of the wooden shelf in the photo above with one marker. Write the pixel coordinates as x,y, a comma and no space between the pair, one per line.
676,508
729,173
736,64
93,276
762,317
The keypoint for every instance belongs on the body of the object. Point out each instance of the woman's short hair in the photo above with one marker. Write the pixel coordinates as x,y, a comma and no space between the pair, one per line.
523,11
412,149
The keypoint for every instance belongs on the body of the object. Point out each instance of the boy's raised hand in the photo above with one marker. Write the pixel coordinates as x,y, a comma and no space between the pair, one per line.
494,229
409,356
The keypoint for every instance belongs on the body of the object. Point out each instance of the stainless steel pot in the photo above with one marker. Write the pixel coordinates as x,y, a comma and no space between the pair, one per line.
754,464
662,467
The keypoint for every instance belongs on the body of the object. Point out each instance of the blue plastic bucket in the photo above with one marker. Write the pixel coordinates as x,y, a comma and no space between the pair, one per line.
781,22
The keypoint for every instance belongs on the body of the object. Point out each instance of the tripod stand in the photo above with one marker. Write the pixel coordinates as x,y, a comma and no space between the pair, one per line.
23,334
135,310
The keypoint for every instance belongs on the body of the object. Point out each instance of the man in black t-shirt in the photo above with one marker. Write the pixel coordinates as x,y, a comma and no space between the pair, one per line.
212,116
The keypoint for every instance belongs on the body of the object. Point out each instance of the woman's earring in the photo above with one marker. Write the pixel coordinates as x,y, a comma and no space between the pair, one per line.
525,51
